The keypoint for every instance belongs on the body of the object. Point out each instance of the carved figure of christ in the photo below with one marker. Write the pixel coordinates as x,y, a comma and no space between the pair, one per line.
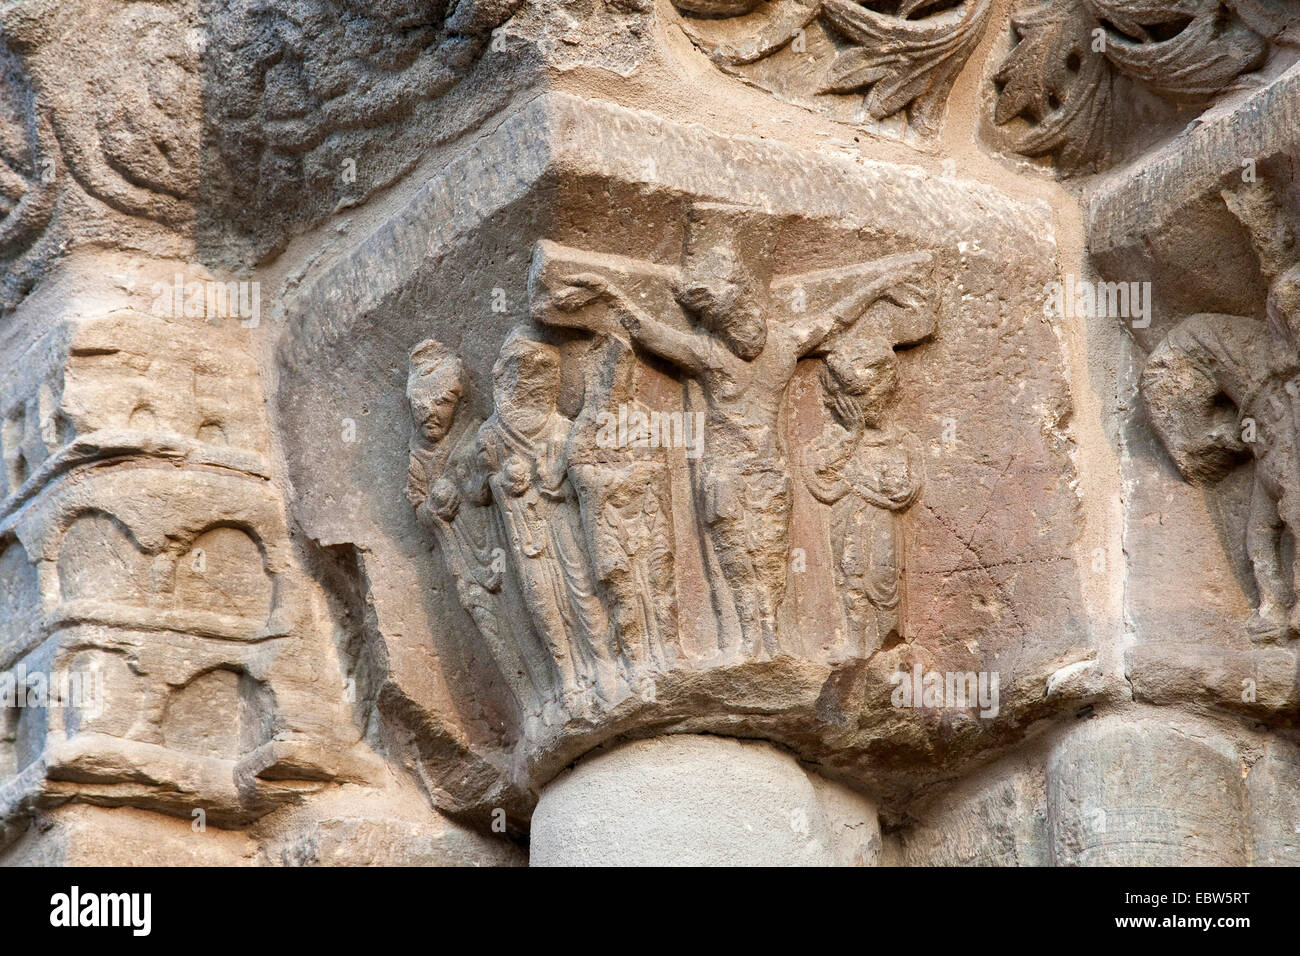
742,349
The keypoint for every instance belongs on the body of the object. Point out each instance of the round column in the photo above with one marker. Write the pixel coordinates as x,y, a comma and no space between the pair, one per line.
692,800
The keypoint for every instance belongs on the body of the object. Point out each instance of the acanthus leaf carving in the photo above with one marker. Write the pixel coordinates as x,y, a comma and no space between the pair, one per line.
1079,68
898,60
1052,78
903,63
1206,52
759,33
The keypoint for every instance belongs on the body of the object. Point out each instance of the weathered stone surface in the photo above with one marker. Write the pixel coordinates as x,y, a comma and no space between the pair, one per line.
685,800
1110,802
864,65
426,426
998,818
974,571
1274,806
93,836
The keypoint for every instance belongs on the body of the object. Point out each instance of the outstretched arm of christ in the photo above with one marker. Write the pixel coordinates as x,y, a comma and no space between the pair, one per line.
899,279
681,348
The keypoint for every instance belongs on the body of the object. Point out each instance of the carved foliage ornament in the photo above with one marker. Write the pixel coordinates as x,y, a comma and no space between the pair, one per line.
899,54
27,179
129,136
74,119
1078,67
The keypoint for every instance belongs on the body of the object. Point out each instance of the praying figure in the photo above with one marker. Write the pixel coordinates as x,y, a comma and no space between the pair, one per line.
867,471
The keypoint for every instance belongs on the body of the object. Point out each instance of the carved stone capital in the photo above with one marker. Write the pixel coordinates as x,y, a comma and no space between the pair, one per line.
689,456
863,62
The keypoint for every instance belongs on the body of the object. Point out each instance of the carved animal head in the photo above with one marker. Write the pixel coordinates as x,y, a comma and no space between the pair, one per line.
1185,388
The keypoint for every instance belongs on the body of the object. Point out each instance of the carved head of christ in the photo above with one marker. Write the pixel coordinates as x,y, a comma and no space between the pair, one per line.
716,284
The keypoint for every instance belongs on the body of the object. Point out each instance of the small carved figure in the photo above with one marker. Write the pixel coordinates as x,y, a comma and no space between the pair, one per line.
1255,367
523,447
867,471
622,485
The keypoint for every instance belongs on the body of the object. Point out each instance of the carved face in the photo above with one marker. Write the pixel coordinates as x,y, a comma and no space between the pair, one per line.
434,408
517,475
433,389
719,291
526,376
866,377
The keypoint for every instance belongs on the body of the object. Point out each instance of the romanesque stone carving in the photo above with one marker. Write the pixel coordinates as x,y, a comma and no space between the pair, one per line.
625,504
899,56
866,470
1081,71
94,153
582,507
617,399
299,89
147,566
134,149
27,174
1220,388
